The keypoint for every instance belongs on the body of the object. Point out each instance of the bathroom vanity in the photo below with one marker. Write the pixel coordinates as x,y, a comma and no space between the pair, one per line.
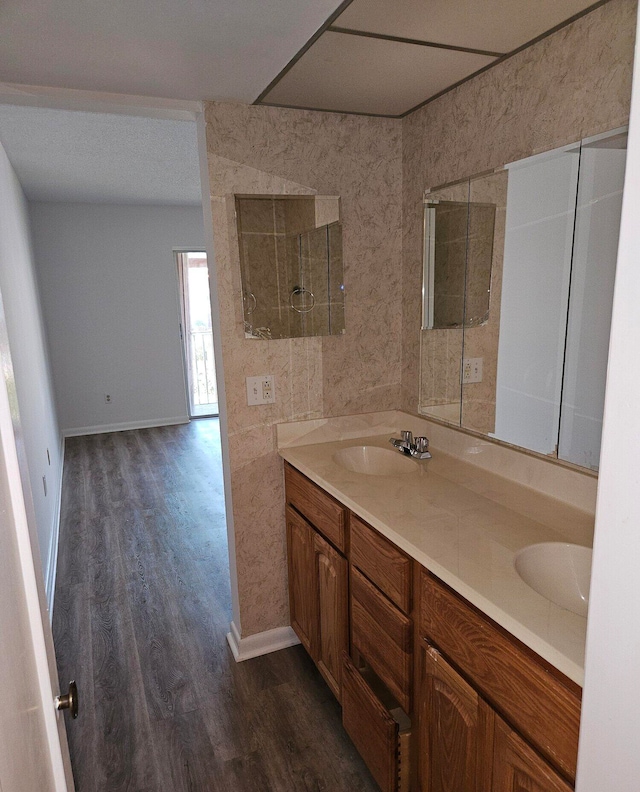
452,673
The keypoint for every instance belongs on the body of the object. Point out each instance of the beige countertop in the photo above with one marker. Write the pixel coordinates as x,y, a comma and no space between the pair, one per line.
465,524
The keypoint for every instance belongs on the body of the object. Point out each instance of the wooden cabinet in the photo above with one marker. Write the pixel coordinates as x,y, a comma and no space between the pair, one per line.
330,576
375,698
518,768
303,606
326,515
455,746
539,701
383,636
380,733
318,585
378,697
380,560
464,702
492,715
464,746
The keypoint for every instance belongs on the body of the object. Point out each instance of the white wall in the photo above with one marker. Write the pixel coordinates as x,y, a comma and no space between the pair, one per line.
31,366
608,758
109,291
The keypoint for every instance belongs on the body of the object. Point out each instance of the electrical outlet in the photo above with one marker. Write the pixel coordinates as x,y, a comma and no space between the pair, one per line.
471,370
267,389
107,398
260,390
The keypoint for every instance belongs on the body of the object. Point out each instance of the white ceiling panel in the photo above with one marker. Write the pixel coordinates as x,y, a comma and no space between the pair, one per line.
367,75
492,25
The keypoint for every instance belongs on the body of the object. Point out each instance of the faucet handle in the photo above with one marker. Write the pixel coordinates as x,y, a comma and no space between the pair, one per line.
407,436
422,444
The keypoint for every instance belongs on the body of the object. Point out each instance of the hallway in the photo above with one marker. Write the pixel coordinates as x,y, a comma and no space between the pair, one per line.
141,610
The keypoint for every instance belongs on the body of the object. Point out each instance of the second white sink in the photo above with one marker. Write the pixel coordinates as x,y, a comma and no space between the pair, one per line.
559,571
374,461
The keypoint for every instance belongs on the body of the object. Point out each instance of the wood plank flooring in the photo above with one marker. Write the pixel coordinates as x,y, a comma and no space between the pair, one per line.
142,607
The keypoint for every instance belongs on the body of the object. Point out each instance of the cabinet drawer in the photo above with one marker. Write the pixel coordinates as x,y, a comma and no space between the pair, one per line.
382,562
382,736
383,636
531,697
322,511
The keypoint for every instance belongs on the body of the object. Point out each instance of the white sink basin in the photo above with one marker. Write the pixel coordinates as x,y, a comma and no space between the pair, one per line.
559,571
374,461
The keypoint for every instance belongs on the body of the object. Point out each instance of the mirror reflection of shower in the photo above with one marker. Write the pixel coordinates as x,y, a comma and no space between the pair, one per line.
458,252
291,266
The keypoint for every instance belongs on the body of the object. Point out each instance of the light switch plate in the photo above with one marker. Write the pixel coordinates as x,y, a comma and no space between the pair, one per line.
260,390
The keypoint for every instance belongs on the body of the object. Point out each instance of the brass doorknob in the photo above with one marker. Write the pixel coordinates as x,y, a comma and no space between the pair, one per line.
69,700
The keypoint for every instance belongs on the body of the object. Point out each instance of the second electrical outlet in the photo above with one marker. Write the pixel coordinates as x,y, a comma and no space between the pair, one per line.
261,390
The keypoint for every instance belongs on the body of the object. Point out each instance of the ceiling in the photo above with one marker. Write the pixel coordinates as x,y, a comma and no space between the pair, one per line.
383,57
64,155
169,49
179,49
380,57
388,57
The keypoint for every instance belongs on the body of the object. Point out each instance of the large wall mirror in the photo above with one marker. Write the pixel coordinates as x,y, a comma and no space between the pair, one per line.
517,304
291,265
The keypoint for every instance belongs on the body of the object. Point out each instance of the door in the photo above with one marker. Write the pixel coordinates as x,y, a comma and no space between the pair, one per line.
33,745
196,333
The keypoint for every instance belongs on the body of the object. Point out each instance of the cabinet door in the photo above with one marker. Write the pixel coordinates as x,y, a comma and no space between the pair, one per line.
331,571
303,602
518,768
455,731
543,708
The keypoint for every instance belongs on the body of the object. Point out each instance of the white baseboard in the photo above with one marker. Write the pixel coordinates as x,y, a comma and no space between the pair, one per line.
52,560
123,427
260,643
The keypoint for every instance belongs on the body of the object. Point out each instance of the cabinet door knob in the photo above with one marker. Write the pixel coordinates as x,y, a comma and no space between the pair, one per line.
69,700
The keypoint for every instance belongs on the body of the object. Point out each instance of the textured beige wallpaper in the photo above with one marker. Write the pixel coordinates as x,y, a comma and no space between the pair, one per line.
570,85
258,150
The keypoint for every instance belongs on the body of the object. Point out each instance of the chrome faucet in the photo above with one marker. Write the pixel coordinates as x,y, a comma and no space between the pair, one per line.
418,448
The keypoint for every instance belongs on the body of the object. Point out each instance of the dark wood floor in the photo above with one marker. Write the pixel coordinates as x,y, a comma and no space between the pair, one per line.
141,610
